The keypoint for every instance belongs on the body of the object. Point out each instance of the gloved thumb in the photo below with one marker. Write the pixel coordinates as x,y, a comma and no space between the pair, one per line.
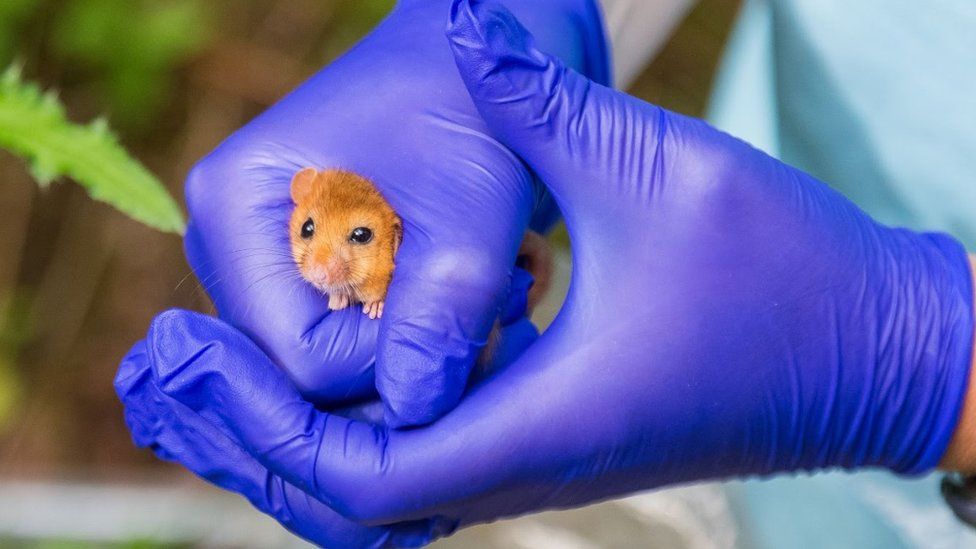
573,132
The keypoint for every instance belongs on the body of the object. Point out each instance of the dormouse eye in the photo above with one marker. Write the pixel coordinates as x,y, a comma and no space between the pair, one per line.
361,235
308,229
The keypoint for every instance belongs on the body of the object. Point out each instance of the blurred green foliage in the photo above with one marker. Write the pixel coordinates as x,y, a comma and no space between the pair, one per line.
132,46
12,15
34,126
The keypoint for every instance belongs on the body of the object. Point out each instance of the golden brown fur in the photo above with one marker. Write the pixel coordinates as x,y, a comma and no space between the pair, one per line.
338,202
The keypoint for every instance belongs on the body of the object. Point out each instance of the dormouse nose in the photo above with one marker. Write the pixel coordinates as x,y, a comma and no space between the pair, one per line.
331,271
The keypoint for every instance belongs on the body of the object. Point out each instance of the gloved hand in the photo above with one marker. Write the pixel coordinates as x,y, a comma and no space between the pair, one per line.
728,315
392,109
176,433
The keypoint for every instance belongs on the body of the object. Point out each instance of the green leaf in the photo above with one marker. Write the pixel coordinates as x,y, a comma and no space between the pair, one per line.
34,125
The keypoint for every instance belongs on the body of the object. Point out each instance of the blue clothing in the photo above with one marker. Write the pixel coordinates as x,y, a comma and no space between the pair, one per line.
878,99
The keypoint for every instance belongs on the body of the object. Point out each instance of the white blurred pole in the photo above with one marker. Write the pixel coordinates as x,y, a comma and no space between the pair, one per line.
101,513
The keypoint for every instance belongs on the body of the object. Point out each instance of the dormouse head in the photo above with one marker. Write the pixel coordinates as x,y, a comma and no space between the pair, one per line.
343,232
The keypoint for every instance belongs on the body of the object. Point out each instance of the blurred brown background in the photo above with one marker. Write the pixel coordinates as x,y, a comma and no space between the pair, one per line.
79,282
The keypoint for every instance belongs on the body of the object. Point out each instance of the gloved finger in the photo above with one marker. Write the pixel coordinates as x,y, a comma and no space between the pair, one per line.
217,372
243,260
515,336
176,433
440,309
557,120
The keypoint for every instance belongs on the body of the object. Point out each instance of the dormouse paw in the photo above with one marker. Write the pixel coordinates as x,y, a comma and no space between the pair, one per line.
338,301
373,309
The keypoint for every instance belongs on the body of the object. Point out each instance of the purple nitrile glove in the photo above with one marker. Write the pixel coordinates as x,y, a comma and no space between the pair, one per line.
394,110
728,316
176,433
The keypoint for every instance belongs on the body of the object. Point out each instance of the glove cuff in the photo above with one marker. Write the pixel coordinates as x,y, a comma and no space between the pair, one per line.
922,399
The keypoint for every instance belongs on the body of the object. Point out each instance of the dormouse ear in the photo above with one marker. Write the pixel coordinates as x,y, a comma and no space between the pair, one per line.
301,184
397,235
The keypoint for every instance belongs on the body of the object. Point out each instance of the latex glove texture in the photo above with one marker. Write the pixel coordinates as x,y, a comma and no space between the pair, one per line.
728,315
176,433
394,110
